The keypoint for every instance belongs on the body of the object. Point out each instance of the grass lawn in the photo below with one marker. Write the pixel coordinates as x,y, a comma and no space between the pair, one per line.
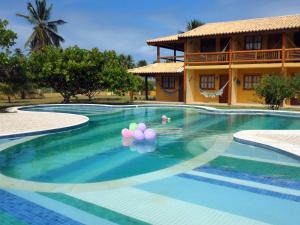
55,98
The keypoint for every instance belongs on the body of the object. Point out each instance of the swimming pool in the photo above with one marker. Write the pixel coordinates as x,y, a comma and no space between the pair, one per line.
96,152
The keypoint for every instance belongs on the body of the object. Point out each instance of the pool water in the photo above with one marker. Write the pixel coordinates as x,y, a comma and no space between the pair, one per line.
96,152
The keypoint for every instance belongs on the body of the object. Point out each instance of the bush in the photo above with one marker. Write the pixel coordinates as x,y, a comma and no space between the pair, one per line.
275,88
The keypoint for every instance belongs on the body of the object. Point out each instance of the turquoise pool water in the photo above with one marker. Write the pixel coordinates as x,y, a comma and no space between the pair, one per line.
96,152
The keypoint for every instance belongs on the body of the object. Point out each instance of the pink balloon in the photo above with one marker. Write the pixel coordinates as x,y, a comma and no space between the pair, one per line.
126,133
150,134
126,142
138,135
142,127
164,117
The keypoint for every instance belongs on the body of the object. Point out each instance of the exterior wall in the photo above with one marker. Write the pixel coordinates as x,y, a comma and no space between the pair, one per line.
249,96
194,84
162,95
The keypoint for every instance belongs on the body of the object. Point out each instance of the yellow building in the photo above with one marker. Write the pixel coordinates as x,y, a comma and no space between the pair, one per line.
227,56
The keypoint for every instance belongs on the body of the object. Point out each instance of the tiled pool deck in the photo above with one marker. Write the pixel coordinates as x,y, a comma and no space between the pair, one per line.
233,196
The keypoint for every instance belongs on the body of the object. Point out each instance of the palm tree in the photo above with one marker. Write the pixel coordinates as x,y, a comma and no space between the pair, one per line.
192,24
44,31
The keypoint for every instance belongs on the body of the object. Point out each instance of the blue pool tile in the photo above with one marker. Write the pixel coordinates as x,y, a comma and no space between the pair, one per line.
242,187
264,208
31,213
251,177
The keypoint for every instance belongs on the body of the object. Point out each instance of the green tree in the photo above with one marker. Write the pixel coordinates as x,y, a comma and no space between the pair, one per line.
141,63
59,69
7,40
126,61
115,75
275,89
73,71
295,84
91,81
45,32
119,81
7,36
192,24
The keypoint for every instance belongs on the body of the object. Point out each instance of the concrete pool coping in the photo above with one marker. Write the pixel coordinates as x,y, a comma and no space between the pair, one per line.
211,154
18,123
287,141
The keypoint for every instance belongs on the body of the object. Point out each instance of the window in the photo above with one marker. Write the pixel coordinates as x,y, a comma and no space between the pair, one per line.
208,45
207,82
250,81
168,82
253,42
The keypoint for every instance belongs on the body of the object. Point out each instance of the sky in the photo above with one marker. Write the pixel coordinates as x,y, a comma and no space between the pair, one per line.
126,25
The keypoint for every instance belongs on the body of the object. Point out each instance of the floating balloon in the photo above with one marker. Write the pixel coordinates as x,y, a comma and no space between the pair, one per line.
150,134
138,135
164,117
126,142
126,133
142,127
132,126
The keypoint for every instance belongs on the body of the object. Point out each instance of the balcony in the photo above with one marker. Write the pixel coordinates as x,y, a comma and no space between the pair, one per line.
243,57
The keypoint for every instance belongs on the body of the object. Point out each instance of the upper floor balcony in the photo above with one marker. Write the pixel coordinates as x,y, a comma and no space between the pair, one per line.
243,57
253,41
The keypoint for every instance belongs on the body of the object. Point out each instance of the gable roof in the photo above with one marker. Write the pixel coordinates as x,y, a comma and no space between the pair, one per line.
245,26
163,39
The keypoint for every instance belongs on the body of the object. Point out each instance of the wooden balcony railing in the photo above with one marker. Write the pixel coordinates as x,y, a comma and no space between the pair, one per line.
179,58
208,58
292,55
239,57
257,56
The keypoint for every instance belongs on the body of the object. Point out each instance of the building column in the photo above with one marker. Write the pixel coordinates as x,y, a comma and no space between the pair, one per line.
174,59
234,87
185,72
146,87
158,54
230,79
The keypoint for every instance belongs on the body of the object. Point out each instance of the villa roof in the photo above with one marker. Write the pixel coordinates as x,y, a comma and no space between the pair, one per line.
245,26
230,27
164,39
159,68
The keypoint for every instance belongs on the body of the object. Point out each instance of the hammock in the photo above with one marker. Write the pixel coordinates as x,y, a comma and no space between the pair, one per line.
208,94
169,92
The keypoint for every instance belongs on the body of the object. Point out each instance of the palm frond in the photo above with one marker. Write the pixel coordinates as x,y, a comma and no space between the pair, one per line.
45,31
48,12
41,8
57,22
30,19
32,11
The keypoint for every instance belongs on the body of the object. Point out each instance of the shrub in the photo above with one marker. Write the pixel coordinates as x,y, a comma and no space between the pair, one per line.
274,88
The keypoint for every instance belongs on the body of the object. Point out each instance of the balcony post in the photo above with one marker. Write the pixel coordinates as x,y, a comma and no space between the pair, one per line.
146,87
174,54
283,50
158,54
230,72
184,71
